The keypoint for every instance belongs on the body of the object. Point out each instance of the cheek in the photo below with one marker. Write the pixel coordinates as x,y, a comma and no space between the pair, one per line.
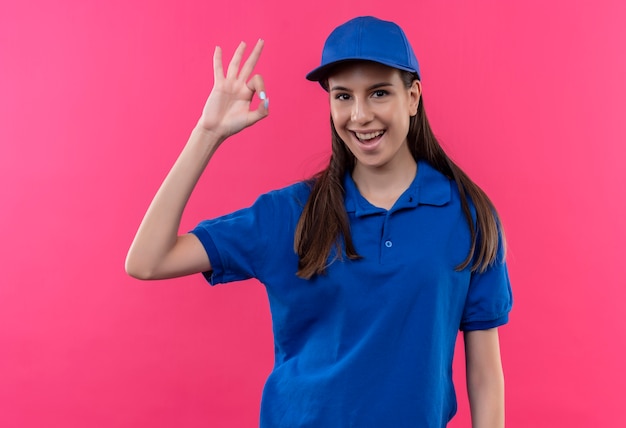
337,114
402,124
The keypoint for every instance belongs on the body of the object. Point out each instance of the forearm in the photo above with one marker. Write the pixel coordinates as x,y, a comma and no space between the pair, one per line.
486,396
485,379
159,228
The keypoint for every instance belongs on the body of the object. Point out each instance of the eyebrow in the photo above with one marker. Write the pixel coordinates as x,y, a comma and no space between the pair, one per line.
375,86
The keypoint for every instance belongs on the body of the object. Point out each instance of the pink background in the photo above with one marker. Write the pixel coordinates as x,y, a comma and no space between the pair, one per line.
98,98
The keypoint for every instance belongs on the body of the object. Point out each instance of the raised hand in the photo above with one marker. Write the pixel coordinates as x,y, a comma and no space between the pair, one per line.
157,250
228,108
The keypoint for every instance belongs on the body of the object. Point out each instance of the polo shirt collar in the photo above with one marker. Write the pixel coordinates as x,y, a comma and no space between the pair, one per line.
429,187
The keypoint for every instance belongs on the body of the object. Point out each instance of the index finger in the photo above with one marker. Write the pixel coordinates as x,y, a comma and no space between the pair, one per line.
248,66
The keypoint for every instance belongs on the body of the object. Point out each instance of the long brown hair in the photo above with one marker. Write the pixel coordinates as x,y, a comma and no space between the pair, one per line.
324,223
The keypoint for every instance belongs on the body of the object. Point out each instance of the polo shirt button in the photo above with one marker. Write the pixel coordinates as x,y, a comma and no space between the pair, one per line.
388,244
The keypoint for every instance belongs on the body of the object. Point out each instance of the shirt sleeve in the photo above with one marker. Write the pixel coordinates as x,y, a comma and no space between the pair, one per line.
489,299
236,243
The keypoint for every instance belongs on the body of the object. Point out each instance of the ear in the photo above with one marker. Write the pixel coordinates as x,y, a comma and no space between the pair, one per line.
415,94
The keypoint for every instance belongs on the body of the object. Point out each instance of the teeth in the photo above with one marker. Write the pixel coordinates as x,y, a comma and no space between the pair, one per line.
368,136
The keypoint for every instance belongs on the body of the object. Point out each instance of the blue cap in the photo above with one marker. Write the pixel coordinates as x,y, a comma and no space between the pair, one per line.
366,39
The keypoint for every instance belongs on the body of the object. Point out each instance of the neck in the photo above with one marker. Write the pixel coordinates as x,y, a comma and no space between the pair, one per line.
383,185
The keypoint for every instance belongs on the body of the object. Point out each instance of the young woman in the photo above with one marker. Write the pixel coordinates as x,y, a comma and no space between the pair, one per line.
371,267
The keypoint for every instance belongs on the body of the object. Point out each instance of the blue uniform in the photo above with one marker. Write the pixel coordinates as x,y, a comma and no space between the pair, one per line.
369,344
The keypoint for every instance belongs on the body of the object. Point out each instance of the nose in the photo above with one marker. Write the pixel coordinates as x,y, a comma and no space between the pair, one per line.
361,111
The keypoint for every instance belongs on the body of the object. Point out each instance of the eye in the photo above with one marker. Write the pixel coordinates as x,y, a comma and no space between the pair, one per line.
342,96
379,93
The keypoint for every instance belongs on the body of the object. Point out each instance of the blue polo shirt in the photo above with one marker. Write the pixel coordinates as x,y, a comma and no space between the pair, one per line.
371,343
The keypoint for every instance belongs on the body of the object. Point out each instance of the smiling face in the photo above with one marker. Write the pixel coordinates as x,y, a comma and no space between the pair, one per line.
370,107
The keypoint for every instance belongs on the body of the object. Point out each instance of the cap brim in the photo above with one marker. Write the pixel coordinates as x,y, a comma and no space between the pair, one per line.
322,72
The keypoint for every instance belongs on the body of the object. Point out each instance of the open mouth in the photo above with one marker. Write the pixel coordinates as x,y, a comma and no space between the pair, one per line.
368,137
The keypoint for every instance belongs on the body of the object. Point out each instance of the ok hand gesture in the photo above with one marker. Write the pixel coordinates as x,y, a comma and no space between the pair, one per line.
157,250
228,108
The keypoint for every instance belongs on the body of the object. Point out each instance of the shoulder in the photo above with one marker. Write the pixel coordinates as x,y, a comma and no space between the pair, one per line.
284,202
296,193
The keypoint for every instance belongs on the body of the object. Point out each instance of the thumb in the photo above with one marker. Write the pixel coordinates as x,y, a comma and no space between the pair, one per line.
256,85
